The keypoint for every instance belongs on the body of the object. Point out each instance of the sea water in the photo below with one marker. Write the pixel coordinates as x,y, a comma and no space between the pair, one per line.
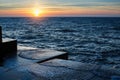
86,39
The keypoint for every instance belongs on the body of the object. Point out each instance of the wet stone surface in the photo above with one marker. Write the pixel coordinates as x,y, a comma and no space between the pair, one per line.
38,64
57,69
39,54
28,55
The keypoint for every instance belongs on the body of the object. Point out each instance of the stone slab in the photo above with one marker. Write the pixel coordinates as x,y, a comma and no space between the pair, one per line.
28,55
17,75
2,70
57,69
42,54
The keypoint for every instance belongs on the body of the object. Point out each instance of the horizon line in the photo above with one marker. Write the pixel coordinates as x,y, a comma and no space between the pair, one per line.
56,16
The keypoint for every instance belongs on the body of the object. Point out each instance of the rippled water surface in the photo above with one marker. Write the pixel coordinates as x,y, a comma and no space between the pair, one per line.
90,40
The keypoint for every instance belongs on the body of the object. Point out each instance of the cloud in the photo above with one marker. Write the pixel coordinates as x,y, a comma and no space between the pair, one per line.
14,6
56,9
91,4
79,6
94,5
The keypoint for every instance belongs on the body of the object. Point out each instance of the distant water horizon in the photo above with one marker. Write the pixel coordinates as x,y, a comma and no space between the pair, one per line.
60,16
86,39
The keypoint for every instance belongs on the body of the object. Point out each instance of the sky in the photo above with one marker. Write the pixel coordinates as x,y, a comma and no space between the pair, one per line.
80,8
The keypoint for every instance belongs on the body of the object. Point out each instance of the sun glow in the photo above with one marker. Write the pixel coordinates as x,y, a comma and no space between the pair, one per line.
37,12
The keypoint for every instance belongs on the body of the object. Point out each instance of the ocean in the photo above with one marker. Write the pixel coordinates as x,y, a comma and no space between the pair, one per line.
86,39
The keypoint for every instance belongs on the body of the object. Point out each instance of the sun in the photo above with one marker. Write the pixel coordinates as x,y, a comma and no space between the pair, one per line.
37,12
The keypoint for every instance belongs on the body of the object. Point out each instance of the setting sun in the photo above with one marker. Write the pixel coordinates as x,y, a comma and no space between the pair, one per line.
37,12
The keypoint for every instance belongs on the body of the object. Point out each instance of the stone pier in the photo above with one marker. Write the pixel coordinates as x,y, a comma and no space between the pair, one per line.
12,55
8,47
27,63
0,35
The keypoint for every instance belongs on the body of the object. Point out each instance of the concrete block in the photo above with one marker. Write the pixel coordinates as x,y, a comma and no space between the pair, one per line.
0,35
9,47
1,61
28,55
1,56
43,54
